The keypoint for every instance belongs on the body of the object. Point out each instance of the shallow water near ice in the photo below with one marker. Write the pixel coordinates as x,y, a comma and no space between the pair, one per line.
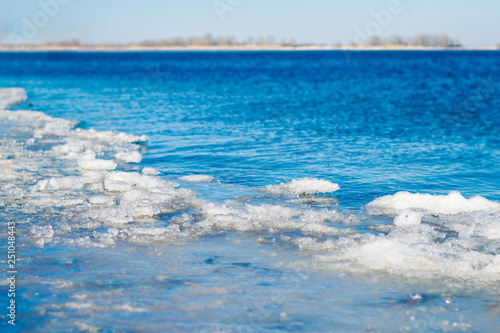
253,191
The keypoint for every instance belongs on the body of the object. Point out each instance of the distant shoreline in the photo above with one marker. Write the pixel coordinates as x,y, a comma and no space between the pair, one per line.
140,48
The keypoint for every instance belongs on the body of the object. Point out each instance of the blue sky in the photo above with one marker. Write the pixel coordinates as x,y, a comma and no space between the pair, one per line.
474,23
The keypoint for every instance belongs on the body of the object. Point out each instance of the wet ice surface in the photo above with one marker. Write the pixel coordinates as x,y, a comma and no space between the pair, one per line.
235,283
102,236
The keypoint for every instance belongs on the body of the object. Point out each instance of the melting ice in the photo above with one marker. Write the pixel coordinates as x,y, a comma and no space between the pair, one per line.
87,188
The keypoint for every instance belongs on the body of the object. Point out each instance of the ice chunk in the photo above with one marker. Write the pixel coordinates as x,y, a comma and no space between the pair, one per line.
58,183
302,186
408,218
453,203
116,186
41,185
70,202
129,157
141,181
42,231
12,96
197,178
92,177
108,137
96,164
318,228
264,217
55,126
144,211
101,200
150,171
96,187
110,215
491,231
134,195
147,231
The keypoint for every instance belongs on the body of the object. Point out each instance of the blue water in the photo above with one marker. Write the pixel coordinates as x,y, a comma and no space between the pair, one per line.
382,122
387,121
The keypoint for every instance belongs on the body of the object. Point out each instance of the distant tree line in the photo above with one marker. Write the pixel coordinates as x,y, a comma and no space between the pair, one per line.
208,40
420,40
423,40
71,42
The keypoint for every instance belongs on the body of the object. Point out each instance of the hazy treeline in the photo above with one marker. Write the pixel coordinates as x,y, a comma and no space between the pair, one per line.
420,40
424,40
71,42
208,40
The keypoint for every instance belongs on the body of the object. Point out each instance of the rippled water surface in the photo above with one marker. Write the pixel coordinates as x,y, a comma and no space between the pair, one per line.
340,192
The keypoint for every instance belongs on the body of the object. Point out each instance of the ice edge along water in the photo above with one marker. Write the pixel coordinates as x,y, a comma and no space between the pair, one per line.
86,176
